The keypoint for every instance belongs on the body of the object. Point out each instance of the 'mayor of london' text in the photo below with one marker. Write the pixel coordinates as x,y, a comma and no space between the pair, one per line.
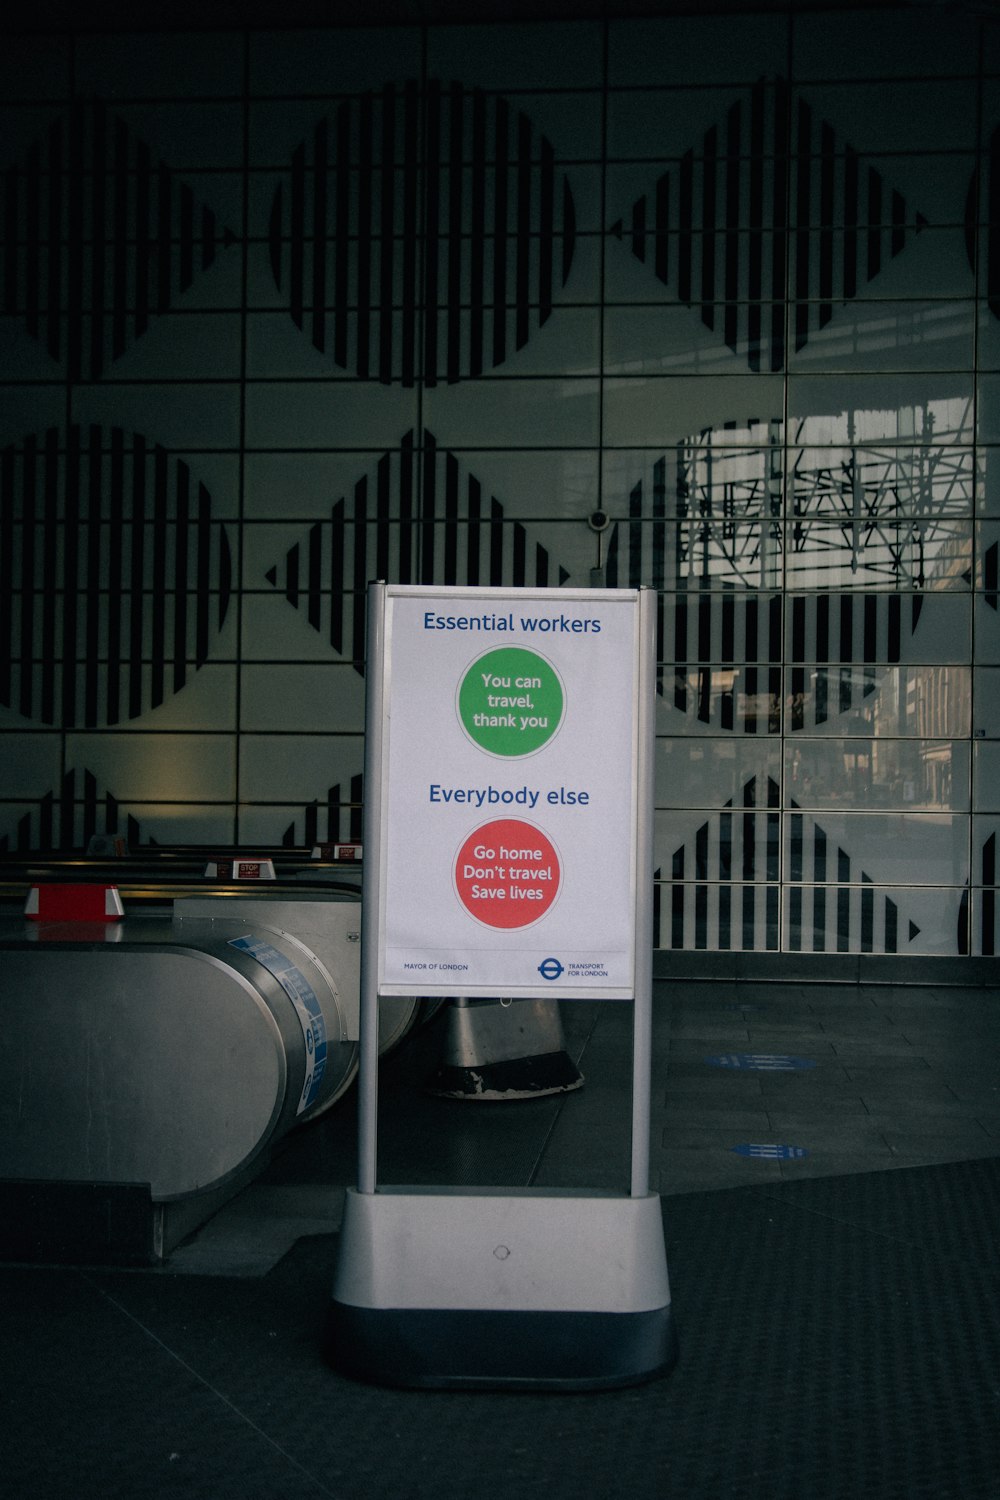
531,624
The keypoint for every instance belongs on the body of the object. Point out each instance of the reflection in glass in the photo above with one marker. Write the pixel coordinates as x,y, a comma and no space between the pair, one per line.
715,772
854,773
904,849
741,842
943,419
988,562
868,551
717,918
987,775
986,884
897,479
892,336
862,500
865,918
728,504
743,700
878,702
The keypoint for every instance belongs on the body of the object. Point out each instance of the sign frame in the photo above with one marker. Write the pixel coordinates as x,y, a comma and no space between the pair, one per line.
525,1288
499,947
379,729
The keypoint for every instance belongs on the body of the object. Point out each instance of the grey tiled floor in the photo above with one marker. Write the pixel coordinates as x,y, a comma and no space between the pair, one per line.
897,1077
838,1336
873,1077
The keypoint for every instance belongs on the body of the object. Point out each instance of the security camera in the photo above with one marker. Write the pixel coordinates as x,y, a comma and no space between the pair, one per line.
598,520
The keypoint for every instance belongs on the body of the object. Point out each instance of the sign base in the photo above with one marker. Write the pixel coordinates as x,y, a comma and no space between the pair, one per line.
487,1288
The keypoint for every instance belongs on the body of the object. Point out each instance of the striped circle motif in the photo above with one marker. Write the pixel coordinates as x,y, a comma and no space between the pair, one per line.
422,233
98,238
768,224
114,577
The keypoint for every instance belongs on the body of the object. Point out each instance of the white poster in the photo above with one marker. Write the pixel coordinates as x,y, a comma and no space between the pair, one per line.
509,780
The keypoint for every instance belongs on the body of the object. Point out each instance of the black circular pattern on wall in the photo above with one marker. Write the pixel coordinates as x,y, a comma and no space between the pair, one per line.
462,170
822,224
114,577
98,238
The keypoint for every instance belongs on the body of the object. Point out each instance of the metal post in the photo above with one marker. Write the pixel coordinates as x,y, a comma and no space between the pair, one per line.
642,1008
370,892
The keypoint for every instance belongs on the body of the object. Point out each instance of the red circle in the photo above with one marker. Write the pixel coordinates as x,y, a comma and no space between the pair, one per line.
507,873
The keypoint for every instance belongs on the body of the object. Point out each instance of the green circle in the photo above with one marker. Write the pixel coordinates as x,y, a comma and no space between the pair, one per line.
510,701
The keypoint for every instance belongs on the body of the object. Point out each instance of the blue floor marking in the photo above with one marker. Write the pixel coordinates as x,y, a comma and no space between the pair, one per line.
763,1152
760,1062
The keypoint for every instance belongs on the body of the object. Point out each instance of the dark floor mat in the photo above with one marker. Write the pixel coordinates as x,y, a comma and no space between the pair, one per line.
838,1339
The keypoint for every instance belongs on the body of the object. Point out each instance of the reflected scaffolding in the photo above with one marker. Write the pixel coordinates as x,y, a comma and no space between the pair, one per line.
862,500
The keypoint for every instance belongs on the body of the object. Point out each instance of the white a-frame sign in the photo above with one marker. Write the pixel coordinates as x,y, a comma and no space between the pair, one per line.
508,853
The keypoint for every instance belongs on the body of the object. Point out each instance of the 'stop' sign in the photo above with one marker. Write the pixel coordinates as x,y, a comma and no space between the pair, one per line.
508,792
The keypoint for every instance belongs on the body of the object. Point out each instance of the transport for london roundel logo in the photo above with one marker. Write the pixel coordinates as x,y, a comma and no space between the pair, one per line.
511,701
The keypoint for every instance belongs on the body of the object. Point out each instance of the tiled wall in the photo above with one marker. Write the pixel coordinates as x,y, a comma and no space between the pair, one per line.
283,312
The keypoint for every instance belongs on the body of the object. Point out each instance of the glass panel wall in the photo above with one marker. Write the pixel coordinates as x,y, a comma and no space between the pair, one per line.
287,311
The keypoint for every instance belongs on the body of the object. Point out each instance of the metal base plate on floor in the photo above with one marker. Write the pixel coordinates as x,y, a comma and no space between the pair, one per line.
519,1078
491,1288
496,1051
